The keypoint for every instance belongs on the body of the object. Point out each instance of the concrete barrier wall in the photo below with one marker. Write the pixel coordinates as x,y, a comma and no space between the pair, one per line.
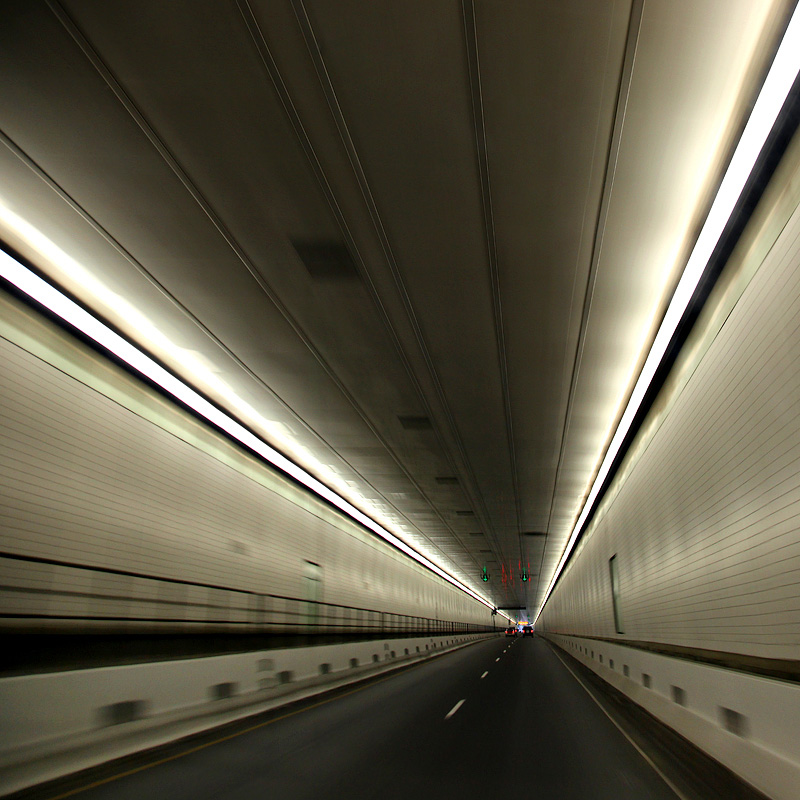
746,722
57,723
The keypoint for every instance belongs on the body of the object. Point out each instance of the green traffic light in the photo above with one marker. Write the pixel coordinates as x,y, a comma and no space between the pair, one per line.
485,575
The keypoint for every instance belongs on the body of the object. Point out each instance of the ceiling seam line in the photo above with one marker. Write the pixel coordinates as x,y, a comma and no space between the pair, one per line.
274,74
280,87
125,100
104,234
150,133
479,122
347,141
623,92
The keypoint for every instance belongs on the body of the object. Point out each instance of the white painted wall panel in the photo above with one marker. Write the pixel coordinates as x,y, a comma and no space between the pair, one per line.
100,470
705,514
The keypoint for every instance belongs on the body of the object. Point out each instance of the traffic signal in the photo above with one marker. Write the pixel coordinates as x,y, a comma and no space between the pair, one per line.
524,575
484,574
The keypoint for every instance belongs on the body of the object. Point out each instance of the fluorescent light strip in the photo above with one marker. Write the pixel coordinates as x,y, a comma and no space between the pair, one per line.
773,94
50,297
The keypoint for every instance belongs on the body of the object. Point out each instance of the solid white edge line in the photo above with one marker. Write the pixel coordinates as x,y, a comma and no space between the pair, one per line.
49,296
641,752
454,708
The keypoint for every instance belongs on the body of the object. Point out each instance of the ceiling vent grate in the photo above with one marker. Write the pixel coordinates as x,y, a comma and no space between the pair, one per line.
416,423
534,533
447,481
465,513
326,260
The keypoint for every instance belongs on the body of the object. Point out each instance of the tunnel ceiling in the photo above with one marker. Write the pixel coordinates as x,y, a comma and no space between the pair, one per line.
426,244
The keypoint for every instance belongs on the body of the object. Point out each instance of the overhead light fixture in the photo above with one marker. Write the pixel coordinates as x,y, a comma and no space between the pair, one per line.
70,312
774,92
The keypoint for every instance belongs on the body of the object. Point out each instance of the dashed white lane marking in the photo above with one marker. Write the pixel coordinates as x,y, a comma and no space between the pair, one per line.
454,709
497,659
484,674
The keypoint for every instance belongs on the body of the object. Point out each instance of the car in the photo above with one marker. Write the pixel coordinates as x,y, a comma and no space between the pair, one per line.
527,631
511,631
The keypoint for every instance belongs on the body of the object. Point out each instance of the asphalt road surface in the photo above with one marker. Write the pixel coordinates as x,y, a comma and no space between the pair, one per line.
501,718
